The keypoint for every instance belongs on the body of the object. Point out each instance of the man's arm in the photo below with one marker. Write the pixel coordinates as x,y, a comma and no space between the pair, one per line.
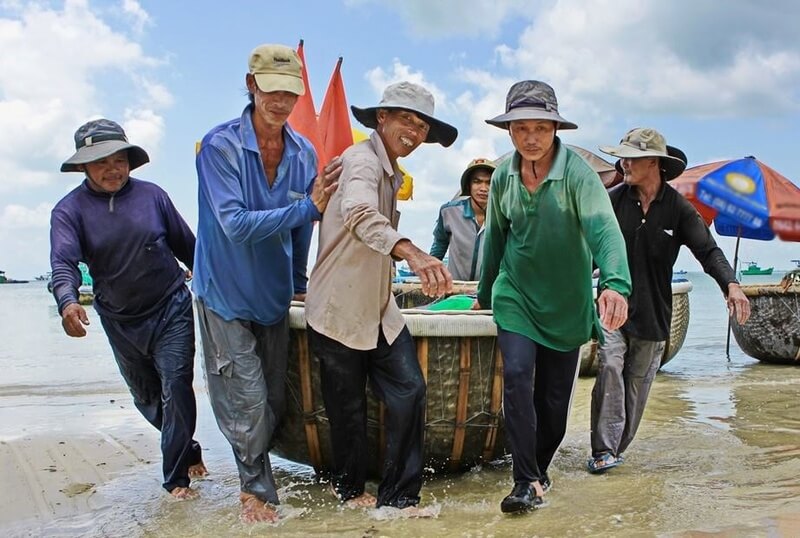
180,238
494,242
441,238
65,253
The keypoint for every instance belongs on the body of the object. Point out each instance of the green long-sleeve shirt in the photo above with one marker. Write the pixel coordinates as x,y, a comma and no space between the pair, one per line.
538,250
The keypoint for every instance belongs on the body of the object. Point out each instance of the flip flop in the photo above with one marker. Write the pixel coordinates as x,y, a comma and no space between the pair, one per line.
602,463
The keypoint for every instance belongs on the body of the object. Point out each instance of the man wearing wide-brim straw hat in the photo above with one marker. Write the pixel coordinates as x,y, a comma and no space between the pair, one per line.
548,219
655,221
129,234
355,327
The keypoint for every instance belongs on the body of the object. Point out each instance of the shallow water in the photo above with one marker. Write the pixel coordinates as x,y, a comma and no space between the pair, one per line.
718,450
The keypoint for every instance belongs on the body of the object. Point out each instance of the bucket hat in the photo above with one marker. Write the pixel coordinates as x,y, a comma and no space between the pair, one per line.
277,68
475,164
531,100
646,142
413,97
97,139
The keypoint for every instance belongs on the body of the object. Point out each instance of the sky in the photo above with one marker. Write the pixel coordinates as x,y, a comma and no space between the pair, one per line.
720,79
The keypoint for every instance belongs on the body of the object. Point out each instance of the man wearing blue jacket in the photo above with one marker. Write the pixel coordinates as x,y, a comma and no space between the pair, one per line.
129,234
258,199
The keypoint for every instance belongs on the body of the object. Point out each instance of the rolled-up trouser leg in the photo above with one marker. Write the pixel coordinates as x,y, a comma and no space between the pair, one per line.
238,392
343,378
641,365
398,382
608,395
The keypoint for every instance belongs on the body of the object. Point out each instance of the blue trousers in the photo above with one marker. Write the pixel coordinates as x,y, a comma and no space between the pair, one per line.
537,389
155,356
396,379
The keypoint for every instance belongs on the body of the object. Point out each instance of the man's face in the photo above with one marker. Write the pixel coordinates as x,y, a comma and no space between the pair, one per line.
480,180
109,174
273,108
402,131
533,139
641,170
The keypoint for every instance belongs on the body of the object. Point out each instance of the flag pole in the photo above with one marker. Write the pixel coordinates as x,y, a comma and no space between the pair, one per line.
735,272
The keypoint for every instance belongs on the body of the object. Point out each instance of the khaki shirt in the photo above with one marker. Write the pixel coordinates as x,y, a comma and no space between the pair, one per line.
350,289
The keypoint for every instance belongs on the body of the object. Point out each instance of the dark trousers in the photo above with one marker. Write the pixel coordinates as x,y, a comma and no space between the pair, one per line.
537,390
155,357
396,379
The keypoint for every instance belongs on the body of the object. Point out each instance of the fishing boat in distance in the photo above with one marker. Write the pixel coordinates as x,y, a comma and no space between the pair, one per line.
754,269
5,280
796,263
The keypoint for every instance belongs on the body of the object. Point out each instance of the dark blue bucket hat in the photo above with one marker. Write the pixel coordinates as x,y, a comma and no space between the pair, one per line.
97,140
531,100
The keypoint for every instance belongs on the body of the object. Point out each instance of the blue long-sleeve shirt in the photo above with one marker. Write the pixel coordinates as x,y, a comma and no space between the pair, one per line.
129,240
252,238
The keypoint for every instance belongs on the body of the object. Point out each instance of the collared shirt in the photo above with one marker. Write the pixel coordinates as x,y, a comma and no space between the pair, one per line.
350,292
458,234
653,241
129,240
538,249
252,237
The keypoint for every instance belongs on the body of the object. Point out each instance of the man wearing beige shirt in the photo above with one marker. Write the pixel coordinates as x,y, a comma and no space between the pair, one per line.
355,327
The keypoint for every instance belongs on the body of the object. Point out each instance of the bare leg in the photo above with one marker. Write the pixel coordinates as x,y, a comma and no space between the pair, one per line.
255,510
184,494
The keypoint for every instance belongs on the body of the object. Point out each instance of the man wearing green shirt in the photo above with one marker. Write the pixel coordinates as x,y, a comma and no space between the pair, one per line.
548,219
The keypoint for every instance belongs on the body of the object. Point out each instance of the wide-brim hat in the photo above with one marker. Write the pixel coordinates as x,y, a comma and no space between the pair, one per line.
277,68
415,98
531,100
644,142
475,164
97,139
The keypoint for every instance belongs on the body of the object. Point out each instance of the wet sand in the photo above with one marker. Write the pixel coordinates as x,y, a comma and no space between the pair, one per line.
718,454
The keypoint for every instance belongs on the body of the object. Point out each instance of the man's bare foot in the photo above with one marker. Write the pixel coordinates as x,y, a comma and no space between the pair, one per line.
255,510
184,494
198,470
365,500
537,487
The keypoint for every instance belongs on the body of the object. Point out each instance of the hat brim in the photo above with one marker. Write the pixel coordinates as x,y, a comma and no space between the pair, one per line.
672,164
88,154
271,82
530,113
439,132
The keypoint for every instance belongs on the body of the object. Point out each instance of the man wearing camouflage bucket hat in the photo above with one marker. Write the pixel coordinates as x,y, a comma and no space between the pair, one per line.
655,221
129,234
549,218
355,328
459,228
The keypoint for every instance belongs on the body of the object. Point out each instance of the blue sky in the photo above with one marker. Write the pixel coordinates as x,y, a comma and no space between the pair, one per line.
720,79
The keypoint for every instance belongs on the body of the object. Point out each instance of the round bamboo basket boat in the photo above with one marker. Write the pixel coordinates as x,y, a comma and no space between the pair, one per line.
463,369
772,333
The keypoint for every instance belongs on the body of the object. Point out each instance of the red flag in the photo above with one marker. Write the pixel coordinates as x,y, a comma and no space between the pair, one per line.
303,118
334,118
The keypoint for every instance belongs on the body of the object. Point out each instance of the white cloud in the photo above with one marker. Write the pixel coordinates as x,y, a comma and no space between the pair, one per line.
51,62
16,217
140,18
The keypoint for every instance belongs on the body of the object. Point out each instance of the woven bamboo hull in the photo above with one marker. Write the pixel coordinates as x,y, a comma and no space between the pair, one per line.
464,378
772,334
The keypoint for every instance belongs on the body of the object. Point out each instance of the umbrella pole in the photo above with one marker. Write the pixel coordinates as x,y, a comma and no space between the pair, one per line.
735,271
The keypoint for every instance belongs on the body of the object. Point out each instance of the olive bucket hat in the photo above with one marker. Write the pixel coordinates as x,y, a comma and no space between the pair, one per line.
645,142
531,100
413,97
97,139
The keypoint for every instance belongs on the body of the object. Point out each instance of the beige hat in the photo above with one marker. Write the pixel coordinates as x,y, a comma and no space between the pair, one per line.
475,164
277,68
645,142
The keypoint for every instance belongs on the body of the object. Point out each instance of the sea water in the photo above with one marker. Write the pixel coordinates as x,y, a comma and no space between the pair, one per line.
718,451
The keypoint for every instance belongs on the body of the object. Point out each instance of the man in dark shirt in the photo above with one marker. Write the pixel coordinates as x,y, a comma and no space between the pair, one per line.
655,221
129,233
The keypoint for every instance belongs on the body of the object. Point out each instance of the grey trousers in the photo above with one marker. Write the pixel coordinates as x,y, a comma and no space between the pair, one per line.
245,366
627,367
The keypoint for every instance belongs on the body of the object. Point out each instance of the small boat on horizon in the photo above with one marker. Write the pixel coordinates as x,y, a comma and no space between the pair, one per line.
754,269
5,280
